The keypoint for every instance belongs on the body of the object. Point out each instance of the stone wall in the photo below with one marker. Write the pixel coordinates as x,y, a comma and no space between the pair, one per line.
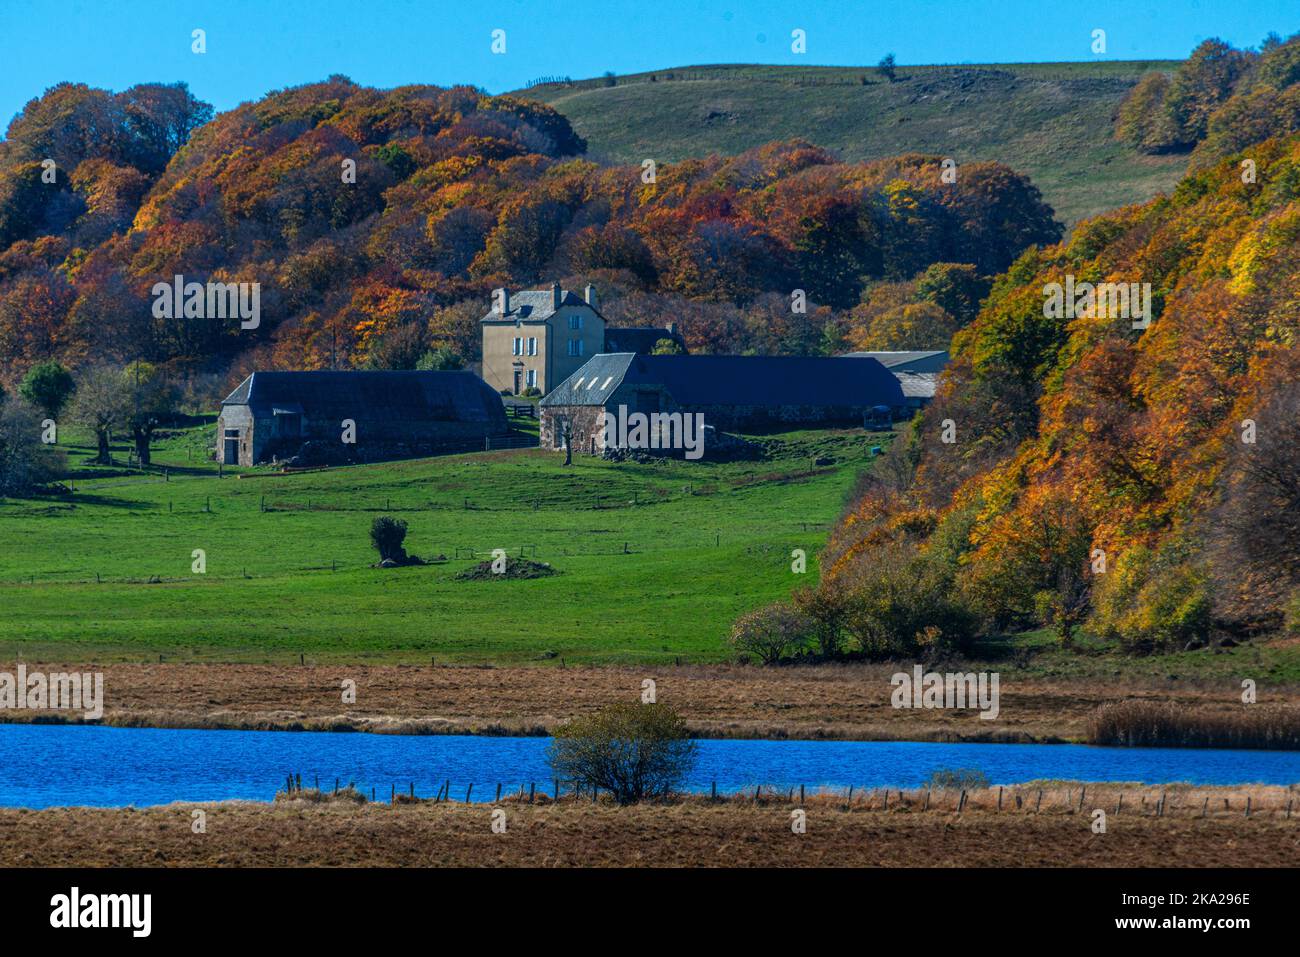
584,425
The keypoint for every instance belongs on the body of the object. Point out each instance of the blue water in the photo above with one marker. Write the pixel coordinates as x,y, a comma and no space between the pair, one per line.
48,765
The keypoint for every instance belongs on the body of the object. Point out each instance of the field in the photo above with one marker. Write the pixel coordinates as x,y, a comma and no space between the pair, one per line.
1050,120
654,561
848,702
915,831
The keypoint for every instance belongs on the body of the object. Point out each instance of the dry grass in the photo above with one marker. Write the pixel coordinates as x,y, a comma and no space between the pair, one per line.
848,702
1163,724
1175,826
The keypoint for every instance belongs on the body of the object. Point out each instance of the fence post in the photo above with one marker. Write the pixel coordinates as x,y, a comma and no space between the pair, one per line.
1039,803
962,803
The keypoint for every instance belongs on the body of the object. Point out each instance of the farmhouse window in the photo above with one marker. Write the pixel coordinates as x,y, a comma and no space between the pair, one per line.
575,322
532,377
575,347
519,346
532,345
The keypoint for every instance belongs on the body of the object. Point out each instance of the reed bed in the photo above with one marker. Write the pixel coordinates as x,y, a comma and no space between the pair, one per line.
1166,725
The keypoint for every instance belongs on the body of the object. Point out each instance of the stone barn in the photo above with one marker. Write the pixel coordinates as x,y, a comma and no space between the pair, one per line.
732,393
322,418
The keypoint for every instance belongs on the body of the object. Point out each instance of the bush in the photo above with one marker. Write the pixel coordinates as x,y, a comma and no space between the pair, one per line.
903,603
26,463
633,751
957,779
387,535
773,632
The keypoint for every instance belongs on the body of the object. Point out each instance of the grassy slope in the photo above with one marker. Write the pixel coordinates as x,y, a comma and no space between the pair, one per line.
698,557
1050,120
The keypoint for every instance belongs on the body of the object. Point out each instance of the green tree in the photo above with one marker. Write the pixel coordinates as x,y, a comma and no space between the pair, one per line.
634,751
25,461
443,358
387,535
48,386
102,403
772,633
152,400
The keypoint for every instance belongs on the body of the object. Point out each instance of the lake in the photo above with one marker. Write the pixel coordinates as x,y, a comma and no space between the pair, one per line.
50,765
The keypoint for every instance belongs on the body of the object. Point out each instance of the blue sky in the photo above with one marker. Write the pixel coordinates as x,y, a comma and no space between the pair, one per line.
254,47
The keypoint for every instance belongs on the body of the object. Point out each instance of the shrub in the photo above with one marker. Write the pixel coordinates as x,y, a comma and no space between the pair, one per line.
26,463
772,632
633,751
387,535
957,779
899,598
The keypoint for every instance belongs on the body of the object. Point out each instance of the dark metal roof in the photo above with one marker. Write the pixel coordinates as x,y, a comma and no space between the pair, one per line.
448,396
762,381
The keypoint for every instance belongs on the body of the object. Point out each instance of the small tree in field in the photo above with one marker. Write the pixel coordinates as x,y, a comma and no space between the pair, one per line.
387,535
48,386
634,751
772,632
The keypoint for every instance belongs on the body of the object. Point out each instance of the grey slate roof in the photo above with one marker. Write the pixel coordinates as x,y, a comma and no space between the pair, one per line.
931,360
917,385
534,305
444,396
762,381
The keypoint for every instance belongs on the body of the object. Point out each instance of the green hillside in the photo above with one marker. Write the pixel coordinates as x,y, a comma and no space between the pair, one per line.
1050,120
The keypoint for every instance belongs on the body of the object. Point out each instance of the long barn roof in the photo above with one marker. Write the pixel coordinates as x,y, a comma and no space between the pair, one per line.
762,381
446,396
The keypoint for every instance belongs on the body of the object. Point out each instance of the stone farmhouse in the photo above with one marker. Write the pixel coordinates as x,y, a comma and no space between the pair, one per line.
306,416
733,393
537,338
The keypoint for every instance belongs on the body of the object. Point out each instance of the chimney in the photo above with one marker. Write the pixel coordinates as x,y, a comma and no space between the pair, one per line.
556,295
501,301
589,294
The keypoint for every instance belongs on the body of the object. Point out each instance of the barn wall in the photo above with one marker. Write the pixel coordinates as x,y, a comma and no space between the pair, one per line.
236,417
585,424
